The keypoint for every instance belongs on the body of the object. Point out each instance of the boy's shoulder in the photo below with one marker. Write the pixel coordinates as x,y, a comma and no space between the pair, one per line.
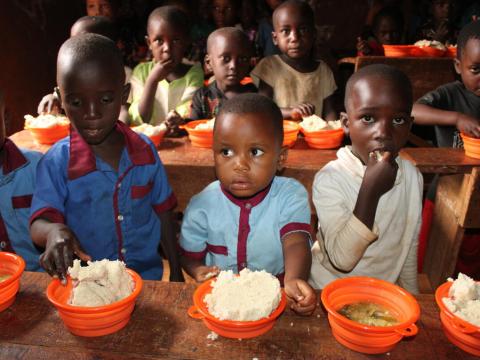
285,187
142,70
208,197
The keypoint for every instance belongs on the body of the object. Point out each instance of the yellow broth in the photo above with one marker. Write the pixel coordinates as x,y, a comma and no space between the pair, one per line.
368,313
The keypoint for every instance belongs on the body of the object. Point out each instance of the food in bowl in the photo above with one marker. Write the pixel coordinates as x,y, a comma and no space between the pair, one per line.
150,130
100,283
4,277
464,299
314,123
248,296
45,121
431,43
368,313
207,125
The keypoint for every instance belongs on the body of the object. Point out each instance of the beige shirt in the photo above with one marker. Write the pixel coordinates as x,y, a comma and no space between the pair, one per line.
291,87
345,246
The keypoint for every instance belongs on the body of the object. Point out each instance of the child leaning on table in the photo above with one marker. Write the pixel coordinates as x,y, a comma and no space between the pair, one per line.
102,192
17,183
297,82
250,218
162,89
228,55
368,201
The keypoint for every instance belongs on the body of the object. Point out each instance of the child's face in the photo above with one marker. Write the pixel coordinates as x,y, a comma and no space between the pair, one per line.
92,99
378,117
166,41
224,13
469,66
100,8
246,154
293,34
273,4
441,10
229,60
387,32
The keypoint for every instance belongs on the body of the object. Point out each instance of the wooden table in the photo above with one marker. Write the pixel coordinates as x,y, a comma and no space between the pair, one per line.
161,328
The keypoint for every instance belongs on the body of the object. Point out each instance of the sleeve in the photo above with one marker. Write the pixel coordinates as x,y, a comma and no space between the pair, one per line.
345,237
295,210
137,82
50,190
435,98
194,82
329,81
263,71
163,197
194,234
197,105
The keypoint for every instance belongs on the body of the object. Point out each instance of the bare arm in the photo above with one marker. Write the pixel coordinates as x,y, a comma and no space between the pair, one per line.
197,268
169,245
329,112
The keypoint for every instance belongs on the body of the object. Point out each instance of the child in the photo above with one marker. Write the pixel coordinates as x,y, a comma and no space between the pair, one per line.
439,25
102,192
250,217
298,83
387,29
368,201
265,28
17,182
229,52
455,107
162,89
225,13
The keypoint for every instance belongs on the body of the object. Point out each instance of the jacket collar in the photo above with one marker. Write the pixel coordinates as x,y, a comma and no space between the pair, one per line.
13,157
247,202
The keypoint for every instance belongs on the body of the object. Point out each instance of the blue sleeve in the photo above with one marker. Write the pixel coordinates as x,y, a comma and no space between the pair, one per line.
194,234
295,209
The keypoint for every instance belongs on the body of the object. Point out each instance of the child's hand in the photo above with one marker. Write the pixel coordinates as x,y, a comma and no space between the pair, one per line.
468,125
301,295
302,110
161,70
172,121
362,47
203,273
380,173
49,105
61,246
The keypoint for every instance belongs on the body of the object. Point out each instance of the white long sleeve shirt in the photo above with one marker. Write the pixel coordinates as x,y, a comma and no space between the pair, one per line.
345,246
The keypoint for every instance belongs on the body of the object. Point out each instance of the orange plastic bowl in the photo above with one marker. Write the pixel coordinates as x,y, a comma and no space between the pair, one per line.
364,338
93,321
398,50
471,146
460,332
228,328
199,137
323,139
290,132
428,51
49,135
13,265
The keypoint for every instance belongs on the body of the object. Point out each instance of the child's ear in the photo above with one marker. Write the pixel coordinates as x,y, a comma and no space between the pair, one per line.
282,159
344,120
274,38
456,64
125,93
147,41
208,65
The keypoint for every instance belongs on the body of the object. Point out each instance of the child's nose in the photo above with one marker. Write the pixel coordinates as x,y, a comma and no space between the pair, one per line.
294,35
92,112
241,163
383,130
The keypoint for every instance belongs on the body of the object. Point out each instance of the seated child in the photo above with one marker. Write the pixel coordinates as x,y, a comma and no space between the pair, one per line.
249,217
102,192
264,40
387,29
368,201
298,83
225,13
439,24
162,89
455,107
229,52
17,183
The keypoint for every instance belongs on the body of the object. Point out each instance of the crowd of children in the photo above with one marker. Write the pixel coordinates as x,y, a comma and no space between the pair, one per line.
103,192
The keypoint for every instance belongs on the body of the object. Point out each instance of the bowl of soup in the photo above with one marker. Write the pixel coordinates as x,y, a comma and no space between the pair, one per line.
11,268
369,315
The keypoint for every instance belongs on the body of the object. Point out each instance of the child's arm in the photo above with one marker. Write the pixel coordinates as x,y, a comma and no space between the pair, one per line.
169,245
60,245
197,269
298,260
428,115
329,112
49,104
408,275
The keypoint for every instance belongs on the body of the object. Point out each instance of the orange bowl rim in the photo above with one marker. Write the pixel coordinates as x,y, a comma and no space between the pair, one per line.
4,255
381,329
321,132
56,126
95,309
190,126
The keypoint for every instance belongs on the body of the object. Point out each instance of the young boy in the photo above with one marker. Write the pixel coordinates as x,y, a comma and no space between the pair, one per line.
455,106
17,182
250,217
162,89
297,82
228,55
368,201
102,192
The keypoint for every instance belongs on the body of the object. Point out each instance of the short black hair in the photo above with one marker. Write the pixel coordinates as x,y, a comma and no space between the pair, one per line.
98,25
250,103
173,16
383,71
237,35
391,12
306,9
87,48
469,31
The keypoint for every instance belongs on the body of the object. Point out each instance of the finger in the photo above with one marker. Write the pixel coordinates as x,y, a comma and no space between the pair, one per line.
49,106
308,294
67,257
311,109
47,264
387,156
78,250
59,263
41,108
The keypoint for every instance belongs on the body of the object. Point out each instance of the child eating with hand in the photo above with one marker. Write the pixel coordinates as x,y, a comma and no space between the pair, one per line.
297,82
102,192
249,217
368,201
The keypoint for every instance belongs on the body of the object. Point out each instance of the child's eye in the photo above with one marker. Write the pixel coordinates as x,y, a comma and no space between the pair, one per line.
285,31
399,121
226,152
475,70
106,99
226,59
244,59
75,102
257,152
367,119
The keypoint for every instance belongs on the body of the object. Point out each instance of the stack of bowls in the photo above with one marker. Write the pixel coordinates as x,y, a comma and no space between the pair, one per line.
290,132
398,50
12,265
471,146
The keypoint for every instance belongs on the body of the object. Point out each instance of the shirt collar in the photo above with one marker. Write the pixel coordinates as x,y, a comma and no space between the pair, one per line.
13,157
247,202
82,158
